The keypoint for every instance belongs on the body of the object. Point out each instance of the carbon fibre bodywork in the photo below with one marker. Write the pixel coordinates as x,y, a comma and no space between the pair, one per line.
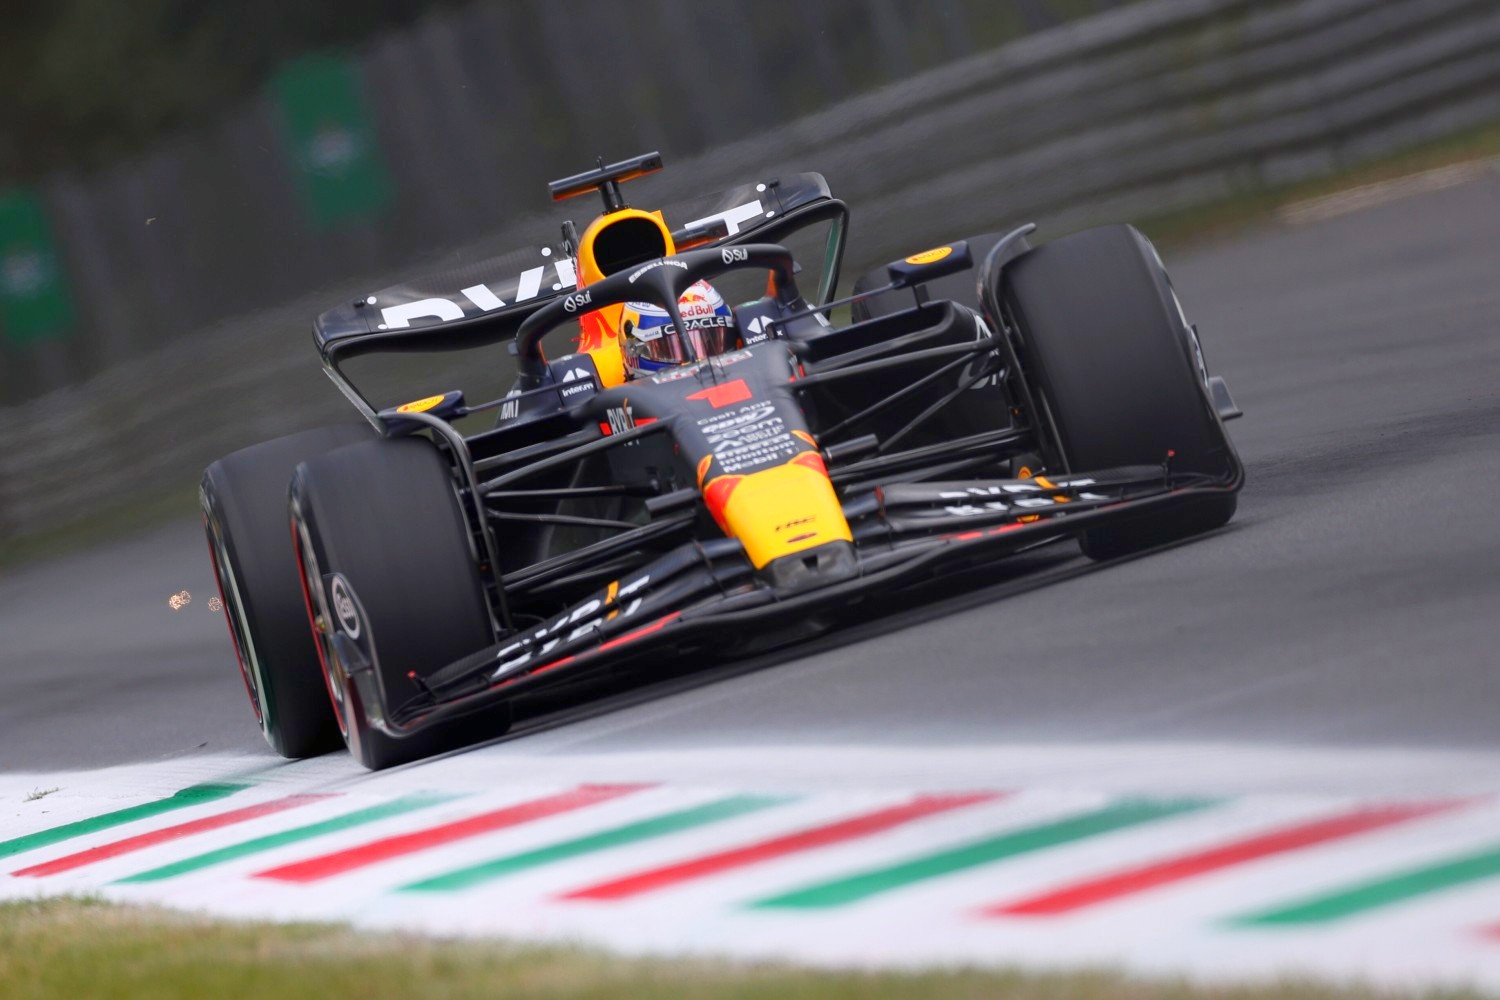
767,491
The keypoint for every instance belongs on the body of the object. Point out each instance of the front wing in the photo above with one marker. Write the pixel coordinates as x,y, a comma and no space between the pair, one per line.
708,591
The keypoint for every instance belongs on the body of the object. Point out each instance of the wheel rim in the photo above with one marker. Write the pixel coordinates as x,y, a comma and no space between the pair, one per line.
318,617
234,616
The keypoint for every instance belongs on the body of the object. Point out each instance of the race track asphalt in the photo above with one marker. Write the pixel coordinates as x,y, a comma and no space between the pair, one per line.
1354,602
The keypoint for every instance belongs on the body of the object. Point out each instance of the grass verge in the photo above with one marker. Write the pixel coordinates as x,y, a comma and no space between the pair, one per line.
136,515
1224,218
84,948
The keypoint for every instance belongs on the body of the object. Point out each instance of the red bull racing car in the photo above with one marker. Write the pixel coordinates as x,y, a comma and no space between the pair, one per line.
667,437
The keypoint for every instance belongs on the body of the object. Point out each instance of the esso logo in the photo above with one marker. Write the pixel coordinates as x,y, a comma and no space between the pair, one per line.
573,302
733,255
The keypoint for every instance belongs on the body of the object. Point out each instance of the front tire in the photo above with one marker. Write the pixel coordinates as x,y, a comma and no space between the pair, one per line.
1119,375
385,515
243,497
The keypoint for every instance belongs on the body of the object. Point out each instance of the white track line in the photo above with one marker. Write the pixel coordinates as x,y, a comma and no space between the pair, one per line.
1175,929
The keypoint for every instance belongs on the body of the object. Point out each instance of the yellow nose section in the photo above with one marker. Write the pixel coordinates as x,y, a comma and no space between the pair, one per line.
776,512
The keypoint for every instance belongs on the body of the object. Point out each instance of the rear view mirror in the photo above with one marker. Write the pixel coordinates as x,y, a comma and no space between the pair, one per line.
930,264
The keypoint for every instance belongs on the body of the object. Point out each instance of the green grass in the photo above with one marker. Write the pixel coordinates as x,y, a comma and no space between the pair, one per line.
1224,218
85,948
136,514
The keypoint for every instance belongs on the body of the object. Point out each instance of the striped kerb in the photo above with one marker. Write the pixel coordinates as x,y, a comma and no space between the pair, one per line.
347,821
822,836
193,796
167,834
1092,892
630,833
853,888
340,862
1377,893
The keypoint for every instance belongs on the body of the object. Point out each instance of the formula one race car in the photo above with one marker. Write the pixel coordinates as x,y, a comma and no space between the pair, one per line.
704,462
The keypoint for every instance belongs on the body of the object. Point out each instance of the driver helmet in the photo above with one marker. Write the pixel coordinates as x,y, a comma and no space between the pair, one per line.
652,343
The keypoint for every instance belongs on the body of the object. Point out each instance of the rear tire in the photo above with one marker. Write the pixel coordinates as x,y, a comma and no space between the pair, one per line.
384,514
1106,348
244,498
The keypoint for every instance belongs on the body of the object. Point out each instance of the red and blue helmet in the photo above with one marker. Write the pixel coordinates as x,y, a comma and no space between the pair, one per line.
652,343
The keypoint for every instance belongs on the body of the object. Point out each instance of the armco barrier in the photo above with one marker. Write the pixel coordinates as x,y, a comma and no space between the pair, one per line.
1154,107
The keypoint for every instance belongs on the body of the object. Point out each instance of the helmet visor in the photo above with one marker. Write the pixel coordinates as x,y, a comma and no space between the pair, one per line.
706,337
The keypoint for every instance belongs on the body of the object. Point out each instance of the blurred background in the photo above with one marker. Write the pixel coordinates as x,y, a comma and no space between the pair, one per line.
185,185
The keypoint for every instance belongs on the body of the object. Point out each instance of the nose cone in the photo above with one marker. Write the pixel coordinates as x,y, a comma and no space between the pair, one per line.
815,567
781,511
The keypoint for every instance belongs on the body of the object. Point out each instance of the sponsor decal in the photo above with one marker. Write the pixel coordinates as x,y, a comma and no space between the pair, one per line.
711,321
510,409
732,217
724,394
929,256
652,266
400,317
343,607
420,405
577,381
732,358
759,329
481,296
577,300
530,282
570,625
1020,495
528,285
749,438
621,418
732,255
673,374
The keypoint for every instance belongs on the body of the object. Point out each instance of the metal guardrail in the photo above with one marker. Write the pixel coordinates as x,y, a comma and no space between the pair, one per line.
1147,109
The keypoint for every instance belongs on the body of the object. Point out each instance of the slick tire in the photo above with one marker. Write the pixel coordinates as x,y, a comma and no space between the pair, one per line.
244,501
385,515
1119,375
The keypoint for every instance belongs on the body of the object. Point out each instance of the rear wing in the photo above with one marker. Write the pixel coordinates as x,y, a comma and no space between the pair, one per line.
487,302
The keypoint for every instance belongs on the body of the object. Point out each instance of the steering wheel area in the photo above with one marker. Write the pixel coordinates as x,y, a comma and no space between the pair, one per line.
660,282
